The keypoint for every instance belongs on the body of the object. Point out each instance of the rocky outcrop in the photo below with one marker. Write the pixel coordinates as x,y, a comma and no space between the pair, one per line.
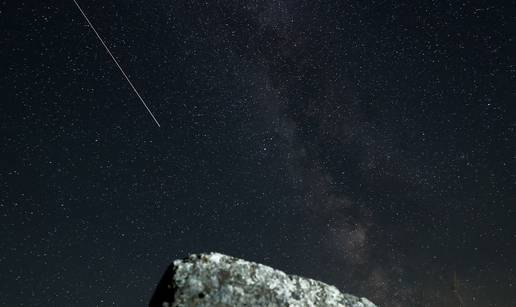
219,280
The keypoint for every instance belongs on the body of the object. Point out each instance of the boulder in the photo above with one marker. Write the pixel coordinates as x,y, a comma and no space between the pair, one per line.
218,280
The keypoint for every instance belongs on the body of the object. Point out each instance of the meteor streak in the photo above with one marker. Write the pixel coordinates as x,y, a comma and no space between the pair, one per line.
116,62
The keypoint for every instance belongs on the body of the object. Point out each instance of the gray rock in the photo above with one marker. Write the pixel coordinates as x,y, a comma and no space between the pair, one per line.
219,280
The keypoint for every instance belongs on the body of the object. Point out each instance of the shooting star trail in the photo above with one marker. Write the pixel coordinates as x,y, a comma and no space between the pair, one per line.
116,62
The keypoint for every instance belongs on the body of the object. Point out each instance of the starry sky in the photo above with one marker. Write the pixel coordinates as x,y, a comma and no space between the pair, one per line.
367,144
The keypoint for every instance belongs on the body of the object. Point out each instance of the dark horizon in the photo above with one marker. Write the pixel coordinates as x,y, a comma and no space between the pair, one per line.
366,144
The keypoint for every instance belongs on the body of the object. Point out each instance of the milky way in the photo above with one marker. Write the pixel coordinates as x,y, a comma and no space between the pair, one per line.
366,144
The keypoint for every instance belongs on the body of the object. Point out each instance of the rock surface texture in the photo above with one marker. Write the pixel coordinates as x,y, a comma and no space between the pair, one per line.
219,280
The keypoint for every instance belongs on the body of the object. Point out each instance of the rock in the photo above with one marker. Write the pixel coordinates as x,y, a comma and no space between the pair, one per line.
219,280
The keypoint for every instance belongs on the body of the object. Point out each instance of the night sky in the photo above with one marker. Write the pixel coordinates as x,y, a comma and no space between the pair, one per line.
367,144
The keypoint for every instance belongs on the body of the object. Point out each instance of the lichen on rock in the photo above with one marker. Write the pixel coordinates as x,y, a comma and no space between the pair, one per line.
219,280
